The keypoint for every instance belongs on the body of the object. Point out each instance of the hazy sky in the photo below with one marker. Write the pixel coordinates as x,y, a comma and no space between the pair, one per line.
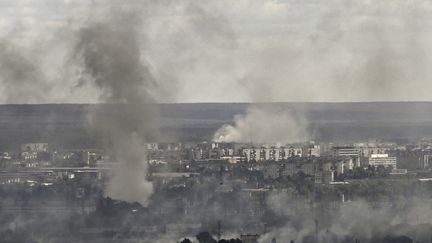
228,50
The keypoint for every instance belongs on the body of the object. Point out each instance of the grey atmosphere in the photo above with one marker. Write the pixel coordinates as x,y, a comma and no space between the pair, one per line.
192,121
225,51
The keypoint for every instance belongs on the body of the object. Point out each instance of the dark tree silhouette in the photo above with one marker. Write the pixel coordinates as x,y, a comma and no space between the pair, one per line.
186,241
205,237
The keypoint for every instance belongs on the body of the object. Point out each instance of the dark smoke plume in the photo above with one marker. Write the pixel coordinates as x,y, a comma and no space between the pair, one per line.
110,56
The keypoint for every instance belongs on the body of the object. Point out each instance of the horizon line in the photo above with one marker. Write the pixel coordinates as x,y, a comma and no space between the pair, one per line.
180,103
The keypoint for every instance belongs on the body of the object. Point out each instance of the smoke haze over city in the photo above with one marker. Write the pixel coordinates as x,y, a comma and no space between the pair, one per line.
204,121
227,51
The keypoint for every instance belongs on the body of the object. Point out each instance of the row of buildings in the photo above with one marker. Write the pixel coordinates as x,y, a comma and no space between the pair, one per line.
292,158
360,154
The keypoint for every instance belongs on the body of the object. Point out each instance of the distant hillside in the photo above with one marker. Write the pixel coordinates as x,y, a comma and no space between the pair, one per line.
64,124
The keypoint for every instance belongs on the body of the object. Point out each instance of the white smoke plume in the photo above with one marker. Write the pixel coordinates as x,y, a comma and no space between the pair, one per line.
264,125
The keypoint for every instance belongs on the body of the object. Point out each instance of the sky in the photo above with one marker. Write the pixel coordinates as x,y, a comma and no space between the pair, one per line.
226,50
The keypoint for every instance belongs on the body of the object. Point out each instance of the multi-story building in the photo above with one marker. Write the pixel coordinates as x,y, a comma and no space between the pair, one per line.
426,162
270,154
34,147
232,159
368,151
295,152
152,146
29,155
348,151
311,151
382,159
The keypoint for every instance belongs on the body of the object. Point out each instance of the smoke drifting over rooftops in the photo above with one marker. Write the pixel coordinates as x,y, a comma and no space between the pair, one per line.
264,125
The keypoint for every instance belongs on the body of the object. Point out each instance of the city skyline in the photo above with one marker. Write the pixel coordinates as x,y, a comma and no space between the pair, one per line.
215,121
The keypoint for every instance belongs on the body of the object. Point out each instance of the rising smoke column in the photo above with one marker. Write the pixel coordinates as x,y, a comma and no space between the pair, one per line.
111,51
110,57
264,125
